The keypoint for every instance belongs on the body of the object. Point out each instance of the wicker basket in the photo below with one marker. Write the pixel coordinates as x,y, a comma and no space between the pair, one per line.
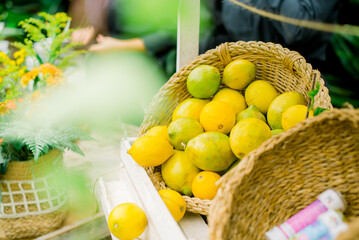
352,233
286,70
287,173
32,203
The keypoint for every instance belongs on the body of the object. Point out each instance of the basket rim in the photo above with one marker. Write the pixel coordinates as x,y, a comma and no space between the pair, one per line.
243,170
291,60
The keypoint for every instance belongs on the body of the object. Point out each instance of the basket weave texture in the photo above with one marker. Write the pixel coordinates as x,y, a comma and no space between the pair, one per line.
287,173
286,70
32,204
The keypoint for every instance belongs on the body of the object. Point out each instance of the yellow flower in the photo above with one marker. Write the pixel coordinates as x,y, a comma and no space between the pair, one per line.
20,60
25,79
3,108
12,63
53,80
20,54
0,80
3,57
49,68
21,71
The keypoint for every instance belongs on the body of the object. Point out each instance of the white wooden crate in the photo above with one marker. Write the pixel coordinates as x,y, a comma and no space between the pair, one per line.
132,184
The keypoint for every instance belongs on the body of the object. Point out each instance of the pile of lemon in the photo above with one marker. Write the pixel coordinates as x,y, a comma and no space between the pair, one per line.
217,127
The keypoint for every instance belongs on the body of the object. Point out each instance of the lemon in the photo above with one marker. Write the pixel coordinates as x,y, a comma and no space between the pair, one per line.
174,202
217,116
247,135
127,221
277,131
233,98
182,130
160,131
191,108
280,104
251,112
203,81
260,93
238,74
233,165
150,151
210,151
204,185
294,115
178,172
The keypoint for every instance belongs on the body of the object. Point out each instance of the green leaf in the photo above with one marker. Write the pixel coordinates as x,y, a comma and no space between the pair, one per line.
319,110
312,95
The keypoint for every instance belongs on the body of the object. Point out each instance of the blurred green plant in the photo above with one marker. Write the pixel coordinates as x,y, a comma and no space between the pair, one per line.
55,28
14,11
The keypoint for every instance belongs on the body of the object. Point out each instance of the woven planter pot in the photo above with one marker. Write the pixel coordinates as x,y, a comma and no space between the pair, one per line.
287,173
286,70
32,203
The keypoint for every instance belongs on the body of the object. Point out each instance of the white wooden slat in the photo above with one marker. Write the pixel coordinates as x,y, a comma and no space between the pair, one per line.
194,226
187,31
158,213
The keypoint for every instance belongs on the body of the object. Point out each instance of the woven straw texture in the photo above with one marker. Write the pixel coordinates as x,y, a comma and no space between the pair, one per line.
286,173
352,233
31,205
286,70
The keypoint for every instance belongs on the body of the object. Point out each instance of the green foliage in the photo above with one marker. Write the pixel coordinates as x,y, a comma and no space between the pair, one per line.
23,141
347,49
312,95
55,27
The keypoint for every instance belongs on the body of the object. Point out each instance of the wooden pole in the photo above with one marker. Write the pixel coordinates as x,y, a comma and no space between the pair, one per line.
187,31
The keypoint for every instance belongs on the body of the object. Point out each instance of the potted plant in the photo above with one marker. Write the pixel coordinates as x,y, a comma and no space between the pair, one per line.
31,166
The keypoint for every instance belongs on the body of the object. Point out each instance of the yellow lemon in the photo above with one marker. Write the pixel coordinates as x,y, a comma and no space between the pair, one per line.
178,172
277,131
294,115
160,131
203,81
238,74
191,108
280,104
217,116
210,151
260,93
251,112
174,202
247,135
182,130
127,221
204,185
233,98
150,151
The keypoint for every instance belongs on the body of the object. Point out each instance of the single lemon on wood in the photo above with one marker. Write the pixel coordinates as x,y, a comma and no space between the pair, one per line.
210,151
260,93
203,81
238,74
174,202
178,172
127,221
280,104
190,107
182,130
204,185
251,112
248,135
233,98
294,115
217,116
150,151
159,131
277,131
